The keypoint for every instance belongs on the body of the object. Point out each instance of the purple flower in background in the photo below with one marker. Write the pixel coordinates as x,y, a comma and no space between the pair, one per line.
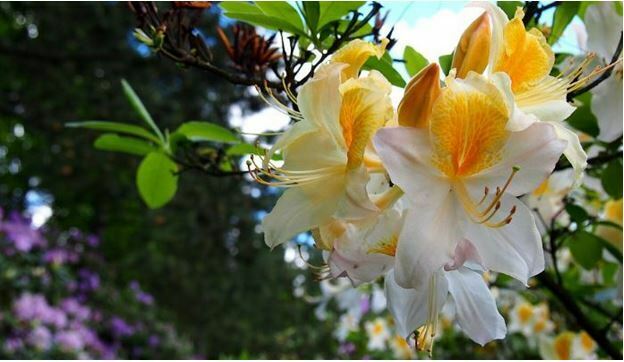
93,240
12,344
346,348
30,306
54,317
153,341
19,230
89,281
56,256
364,305
69,340
120,328
40,338
74,308
140,295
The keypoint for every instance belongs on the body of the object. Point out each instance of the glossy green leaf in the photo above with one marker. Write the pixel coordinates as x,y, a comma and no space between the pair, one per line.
281,10
509,7
334,10
116,143
311,10
251,14
564,13
611,179
205,131
385,67
586,248
156,179
577,213
414,61
138,106
239,7
115,127
583,119
445,62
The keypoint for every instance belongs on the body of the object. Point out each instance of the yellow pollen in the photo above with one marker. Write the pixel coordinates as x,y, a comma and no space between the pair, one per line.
386,247
541,189
539,326
468,131
377,329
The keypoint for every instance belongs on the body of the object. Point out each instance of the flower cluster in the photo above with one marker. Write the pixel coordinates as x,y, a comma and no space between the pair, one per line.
57,305
428,196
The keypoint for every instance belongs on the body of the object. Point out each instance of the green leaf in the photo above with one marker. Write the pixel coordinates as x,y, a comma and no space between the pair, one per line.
586,248
445,62
116,143
364,30
612,179
564,13
583,119
509,7
384,65
311,10
156,179
414,61
281,10
577,213
138,106
334,10
239,7
250,14
205,131
116,127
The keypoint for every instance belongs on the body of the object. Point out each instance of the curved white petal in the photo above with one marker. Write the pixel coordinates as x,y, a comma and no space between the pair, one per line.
355,204
606,104
475,306
428,240
574,151
535,151
294,133
353,253
604,26
514,249
406,153
320,100
301,209
409,307
550,111
312,151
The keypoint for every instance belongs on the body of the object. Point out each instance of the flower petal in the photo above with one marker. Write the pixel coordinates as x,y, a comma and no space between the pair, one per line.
607,106
514,249
475,306
535,151
406,153
301,209
574,151
409,307
604,26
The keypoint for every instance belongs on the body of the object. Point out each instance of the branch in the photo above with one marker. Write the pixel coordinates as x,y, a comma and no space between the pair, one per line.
594,161
567,300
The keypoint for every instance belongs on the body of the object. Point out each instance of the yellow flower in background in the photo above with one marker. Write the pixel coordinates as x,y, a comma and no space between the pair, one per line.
613,213
378,334
568,345
325,154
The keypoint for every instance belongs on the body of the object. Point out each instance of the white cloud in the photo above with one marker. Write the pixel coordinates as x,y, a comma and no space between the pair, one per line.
435,35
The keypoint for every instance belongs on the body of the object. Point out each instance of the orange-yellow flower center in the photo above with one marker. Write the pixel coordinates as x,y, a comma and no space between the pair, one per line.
563,345
467,131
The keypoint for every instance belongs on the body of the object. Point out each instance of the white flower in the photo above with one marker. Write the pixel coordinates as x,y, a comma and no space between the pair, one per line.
348,322
418,308
378,334
460,177
604,26
325,166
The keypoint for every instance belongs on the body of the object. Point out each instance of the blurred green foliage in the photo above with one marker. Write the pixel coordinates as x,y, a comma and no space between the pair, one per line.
201,256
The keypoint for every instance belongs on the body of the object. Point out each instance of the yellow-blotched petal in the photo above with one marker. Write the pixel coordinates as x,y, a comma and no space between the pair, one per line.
468,126
420,94
366,107
473,50
526,56
355,54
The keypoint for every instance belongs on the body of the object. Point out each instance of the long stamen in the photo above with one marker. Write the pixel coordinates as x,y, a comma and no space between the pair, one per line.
485,216
286,178
426,334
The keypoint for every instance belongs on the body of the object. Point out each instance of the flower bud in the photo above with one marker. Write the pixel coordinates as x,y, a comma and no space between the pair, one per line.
473,49
420,93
